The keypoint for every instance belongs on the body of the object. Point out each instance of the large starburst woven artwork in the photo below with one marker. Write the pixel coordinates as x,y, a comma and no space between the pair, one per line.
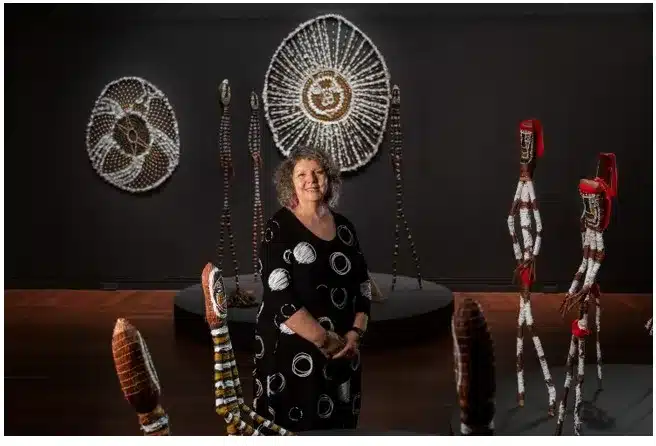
132,137
328,86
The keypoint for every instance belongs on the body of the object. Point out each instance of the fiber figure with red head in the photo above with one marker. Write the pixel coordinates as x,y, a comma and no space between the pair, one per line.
597,195
525,204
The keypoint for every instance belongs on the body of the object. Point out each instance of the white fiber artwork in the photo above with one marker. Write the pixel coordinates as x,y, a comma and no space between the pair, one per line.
132,136
328,86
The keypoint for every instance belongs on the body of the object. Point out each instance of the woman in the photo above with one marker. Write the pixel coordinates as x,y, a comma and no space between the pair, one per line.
315,305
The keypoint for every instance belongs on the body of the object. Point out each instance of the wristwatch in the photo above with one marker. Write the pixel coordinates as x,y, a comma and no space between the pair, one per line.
360,332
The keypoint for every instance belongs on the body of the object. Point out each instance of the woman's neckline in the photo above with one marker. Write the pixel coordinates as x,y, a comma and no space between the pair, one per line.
309,230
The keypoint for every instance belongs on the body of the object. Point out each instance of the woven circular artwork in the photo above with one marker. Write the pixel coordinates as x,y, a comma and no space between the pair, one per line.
328,86
132,136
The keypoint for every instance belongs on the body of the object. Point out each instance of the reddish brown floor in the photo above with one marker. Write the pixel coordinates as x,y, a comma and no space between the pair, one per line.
60,380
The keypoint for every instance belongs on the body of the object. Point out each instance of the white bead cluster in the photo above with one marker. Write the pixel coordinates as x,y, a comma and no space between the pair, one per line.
132,136
328,86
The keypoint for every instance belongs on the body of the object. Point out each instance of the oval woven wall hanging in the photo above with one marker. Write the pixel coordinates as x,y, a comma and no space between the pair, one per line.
327,85
132,136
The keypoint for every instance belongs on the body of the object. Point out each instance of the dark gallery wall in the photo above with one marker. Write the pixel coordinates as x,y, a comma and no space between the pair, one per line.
468,74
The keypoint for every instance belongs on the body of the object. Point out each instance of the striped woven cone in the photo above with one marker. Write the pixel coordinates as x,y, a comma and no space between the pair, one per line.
138,378
474,369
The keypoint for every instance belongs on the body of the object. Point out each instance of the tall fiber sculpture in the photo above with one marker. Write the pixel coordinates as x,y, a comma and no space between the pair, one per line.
396,155
238,298
254,148
531,148
597,195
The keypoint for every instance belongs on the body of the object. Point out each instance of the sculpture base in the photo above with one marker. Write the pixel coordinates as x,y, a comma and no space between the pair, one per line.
408,315
623,407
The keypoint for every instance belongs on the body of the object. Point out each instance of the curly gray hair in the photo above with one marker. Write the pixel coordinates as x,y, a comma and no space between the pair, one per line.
282,177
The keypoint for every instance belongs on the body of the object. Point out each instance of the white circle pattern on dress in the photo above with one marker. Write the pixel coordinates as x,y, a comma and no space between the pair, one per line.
295,414
338,256
326,323
345,235
259,354
339,297
287,256
302,358
279,279
288,310
325,406
304,253
275,384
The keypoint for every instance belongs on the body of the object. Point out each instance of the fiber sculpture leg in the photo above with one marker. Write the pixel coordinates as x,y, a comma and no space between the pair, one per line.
227,387
524,201
138,378
396,155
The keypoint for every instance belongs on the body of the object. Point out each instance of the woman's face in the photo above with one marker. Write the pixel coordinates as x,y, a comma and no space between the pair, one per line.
310,181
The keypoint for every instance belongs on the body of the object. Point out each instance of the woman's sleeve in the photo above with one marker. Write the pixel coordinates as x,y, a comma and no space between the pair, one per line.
280,300
363,297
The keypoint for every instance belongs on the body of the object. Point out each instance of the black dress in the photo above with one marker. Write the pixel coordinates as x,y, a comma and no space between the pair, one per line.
294,384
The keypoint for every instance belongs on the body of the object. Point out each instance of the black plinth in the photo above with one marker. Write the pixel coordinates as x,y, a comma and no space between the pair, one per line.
408,315
623,407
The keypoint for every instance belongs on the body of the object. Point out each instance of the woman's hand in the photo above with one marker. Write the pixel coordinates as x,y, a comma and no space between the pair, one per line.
331,344
352,346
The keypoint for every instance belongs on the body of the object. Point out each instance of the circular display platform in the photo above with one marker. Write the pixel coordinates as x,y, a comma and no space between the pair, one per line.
623,407
408,314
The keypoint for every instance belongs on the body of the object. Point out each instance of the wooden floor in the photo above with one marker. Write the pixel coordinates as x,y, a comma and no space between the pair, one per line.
60,379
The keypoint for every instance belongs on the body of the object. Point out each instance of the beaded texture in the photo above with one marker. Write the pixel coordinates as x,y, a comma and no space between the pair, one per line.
525,203
474,367
132,136
596,195
228,393
254,148
328,86
138,379
396,156
238,298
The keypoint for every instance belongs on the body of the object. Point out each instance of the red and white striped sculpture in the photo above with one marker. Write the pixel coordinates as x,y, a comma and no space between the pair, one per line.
526,251
597,195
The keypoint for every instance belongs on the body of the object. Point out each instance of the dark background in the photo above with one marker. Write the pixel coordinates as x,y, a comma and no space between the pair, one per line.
468,74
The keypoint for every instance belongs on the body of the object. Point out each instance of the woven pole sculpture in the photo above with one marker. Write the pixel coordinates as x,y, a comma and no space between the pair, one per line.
396,155
254,148
228,392
649,326
238,298
473,359
138,378
597,195
524,201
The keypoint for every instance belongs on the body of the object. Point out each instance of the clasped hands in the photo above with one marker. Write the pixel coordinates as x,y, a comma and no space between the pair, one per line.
335,346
